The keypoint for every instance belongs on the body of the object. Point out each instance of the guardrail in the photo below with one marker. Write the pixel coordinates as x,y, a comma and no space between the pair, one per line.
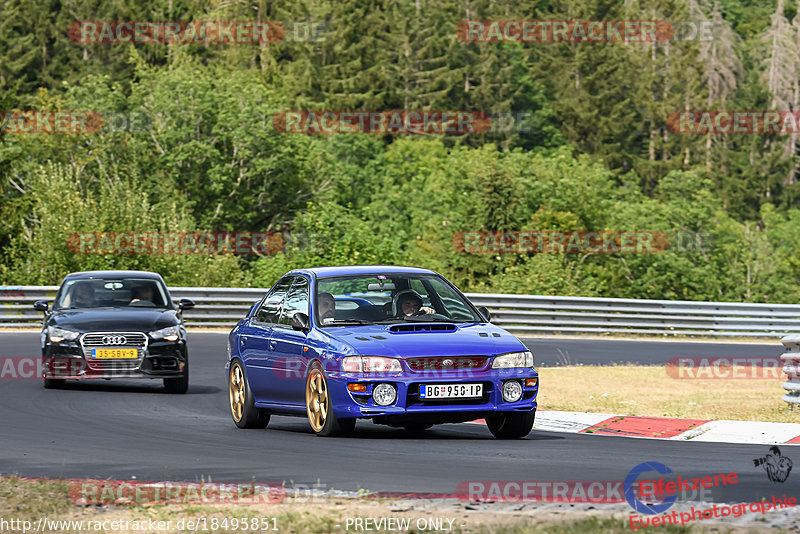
520,314
791,366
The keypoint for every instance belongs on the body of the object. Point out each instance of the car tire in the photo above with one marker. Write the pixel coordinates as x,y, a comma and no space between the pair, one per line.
319,407
178,385
243,405
53,383
511,425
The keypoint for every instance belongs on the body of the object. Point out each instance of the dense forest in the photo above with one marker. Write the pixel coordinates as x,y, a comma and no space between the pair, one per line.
588,146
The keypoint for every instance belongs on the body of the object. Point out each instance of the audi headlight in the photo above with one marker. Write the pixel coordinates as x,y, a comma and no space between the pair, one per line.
57,335
513,360
170,333
371,364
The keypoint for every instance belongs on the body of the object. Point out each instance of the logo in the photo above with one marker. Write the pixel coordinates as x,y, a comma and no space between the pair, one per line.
630,483
448,363
777,467
114,340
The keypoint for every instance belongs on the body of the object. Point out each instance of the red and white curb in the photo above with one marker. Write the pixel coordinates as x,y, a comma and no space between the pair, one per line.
750,432
668,428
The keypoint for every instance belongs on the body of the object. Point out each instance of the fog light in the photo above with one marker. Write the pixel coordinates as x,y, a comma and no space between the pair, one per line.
512,391
357,388
531,382
384,394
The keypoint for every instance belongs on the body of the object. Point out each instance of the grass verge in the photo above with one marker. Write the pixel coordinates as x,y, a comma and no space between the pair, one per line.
26,500
650,391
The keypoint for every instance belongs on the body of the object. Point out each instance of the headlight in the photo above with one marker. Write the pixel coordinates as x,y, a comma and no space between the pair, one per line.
513,360
57,335
371,364
169,333
512,391
384,394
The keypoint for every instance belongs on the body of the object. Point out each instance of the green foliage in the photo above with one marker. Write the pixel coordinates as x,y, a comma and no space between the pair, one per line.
595,152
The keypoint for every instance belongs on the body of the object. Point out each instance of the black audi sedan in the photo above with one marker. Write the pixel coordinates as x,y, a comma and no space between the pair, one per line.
114,324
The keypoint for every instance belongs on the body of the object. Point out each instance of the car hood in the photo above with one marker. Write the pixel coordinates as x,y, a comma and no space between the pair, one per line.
464,339
114,319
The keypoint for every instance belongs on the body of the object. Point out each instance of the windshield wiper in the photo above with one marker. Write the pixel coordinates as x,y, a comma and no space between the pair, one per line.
346,322
427,318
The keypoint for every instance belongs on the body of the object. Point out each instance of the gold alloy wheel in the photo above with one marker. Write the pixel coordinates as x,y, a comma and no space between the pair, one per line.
236,393
317,404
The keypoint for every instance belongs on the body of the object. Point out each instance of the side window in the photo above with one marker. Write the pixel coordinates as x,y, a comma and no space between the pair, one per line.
417,286
270,309
296,301
455,307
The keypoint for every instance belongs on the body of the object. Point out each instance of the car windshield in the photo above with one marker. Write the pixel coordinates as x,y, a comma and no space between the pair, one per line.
113,293
389,298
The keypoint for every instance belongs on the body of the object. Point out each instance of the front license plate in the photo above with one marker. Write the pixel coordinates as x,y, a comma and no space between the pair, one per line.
450,391
115,354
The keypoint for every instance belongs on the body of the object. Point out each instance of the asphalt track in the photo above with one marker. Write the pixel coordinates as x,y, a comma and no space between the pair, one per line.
124,429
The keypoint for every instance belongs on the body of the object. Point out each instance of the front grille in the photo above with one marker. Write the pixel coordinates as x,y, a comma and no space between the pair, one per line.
131,339
120,340
447,363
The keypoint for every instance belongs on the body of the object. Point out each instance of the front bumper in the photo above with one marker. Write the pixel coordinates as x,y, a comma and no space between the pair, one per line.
409,407
159,359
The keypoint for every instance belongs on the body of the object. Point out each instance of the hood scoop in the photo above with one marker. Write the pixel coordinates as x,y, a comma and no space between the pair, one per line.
409,328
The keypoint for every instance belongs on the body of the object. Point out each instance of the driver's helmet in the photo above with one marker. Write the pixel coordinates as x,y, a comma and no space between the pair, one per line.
405,294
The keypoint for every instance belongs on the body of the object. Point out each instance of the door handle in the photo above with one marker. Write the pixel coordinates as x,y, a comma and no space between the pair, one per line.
271,345
242,340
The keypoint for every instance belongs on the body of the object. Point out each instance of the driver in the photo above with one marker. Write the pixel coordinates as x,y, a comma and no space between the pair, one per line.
82,296
409,302
327,307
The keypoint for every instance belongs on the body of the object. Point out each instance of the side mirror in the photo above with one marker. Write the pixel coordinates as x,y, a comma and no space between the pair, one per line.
41,305
485,312
300,322
186,304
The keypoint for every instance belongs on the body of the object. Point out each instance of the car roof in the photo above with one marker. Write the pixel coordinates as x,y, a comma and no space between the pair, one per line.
112,274
342,270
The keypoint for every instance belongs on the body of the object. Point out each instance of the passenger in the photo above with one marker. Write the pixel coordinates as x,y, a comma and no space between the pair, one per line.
409,302
327,307
142,293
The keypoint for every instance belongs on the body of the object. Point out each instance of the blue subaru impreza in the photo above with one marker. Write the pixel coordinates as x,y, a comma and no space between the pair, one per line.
400,345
